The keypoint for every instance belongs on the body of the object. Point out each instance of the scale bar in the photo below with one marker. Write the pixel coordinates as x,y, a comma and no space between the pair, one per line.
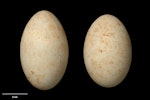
14,93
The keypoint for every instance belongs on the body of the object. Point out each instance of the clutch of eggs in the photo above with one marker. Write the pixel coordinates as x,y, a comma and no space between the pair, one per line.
107,51
44,50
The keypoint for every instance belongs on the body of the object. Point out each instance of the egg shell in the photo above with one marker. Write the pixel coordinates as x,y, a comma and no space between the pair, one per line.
107,51
44,50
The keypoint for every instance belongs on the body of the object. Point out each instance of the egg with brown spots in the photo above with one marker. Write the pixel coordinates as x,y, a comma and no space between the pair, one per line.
44,50
107,51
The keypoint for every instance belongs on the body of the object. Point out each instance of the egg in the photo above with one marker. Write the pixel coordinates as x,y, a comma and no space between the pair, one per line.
107,51
44,50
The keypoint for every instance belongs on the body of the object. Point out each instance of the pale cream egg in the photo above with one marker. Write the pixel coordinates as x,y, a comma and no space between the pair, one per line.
44,50
107,51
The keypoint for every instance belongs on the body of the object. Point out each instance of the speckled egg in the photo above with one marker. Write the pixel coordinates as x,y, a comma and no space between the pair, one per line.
107,51
44,50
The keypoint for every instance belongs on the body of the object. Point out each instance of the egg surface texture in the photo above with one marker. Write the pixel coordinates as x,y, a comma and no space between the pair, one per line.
44,50
107,51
